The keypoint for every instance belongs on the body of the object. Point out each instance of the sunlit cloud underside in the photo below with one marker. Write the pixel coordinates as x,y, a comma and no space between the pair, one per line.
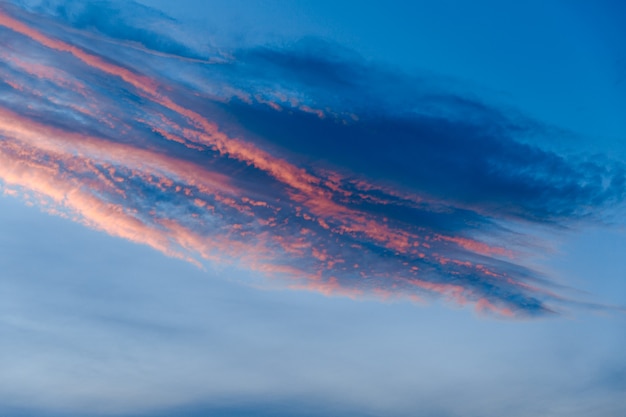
301,163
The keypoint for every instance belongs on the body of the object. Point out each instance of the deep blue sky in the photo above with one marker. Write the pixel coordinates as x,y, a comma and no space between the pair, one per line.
555,61
312,208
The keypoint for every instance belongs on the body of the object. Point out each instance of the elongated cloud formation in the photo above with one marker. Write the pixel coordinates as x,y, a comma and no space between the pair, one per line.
301,164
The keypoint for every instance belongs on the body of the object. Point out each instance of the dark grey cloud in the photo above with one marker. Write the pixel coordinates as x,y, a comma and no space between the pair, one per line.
303,163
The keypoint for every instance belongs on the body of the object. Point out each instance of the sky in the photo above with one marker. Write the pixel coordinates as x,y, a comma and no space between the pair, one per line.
312,208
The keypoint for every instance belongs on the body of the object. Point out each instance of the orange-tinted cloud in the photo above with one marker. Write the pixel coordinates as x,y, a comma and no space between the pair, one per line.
126,149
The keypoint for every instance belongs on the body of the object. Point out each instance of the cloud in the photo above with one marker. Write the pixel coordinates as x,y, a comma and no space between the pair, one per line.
302,163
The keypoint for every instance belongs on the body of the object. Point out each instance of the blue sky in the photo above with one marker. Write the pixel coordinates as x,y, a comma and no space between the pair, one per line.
305,209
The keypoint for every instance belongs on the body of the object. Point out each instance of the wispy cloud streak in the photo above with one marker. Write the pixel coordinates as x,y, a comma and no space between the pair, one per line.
301,164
